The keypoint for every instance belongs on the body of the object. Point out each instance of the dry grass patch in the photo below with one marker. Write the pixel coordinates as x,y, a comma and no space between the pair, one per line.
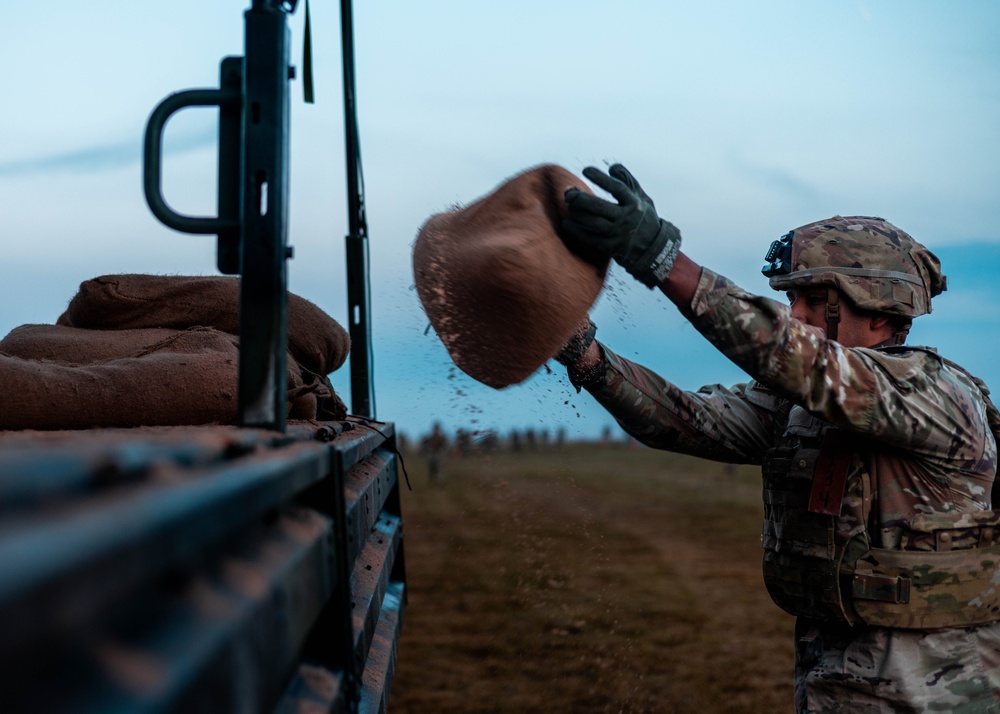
588,580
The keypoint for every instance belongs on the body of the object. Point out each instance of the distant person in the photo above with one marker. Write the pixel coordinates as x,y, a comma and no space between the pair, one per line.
463,442
878,458
433,446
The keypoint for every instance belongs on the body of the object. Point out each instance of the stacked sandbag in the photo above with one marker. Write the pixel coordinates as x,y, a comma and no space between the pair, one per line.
76,346
167,365
500,287
120,302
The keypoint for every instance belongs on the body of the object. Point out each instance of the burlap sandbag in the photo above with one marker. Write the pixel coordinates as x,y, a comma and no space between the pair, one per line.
498,284
188,378
118,302
77,345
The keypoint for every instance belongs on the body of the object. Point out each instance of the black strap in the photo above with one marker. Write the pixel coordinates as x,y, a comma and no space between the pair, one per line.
832,313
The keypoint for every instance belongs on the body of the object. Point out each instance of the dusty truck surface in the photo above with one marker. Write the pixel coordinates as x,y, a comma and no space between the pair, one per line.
255,566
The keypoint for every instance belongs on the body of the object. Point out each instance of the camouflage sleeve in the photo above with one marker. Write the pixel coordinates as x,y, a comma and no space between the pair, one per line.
906,397
714,422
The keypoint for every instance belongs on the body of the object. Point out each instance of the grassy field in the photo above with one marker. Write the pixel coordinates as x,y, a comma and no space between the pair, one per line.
588,579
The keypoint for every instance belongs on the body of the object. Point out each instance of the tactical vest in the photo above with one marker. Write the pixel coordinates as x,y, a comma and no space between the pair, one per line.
819,560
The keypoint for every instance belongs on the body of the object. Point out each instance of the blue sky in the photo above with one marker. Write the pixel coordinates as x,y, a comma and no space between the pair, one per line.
742,120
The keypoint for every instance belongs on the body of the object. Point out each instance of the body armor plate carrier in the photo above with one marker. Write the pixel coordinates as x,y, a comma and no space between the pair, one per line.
819,562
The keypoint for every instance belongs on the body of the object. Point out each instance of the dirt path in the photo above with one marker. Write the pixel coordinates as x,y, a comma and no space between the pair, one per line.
538,586
743,636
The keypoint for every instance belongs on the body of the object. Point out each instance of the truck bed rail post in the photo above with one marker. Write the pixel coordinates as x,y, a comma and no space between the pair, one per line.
263,294
252,220
358,292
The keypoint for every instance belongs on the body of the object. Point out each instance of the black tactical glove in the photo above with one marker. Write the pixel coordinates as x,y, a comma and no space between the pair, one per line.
628,231
577,345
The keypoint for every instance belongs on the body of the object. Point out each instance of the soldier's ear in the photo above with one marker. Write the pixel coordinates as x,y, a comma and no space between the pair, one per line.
879,324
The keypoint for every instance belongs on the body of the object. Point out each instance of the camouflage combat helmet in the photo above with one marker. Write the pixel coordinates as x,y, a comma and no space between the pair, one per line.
874,264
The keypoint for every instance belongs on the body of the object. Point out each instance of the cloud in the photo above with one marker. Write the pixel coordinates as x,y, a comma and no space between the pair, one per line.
774,178
103,158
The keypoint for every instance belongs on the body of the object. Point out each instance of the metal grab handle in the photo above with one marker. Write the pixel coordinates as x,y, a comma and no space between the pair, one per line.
153,154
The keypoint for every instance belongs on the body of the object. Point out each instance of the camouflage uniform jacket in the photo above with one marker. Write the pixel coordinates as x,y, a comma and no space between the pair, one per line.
918,442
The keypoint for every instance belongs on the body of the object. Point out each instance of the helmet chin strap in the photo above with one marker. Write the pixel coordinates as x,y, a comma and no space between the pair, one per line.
832,313
833,321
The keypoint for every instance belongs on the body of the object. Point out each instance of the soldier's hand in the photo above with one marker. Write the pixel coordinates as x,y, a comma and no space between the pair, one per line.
629,231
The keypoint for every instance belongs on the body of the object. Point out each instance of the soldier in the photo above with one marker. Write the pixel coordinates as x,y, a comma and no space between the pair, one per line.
433,446
463,442
878,458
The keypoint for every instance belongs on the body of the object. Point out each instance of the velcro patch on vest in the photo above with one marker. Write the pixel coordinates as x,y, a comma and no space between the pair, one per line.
830,477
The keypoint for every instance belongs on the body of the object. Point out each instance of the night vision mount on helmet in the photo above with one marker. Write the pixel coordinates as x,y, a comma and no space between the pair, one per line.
875,265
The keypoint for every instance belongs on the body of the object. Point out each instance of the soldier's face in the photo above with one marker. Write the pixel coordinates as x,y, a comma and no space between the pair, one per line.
855,330
808,305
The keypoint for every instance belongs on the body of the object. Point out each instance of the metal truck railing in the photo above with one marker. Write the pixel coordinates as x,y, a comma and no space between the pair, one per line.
212,569
253,568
